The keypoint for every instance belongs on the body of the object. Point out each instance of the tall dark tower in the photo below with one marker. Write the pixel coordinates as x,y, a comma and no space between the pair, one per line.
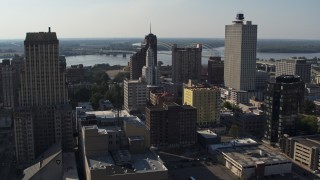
150,40
283,102
138,59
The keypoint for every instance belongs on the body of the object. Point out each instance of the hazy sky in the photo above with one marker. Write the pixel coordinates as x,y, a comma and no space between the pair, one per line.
294,19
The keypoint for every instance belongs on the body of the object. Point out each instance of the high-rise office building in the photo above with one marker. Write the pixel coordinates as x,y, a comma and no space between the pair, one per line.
215,70
43,116
186,63
240,54
150,72
9,85
207,100
135,95
283,102
262,77
298,67
138,59
171,125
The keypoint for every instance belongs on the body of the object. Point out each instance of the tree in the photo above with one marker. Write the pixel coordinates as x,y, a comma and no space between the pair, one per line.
307,124
309,107
121,76
160,63
227,105
234,131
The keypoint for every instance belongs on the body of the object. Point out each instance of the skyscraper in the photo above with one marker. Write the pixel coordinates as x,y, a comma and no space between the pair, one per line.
138,60
150,72
215,70
9,85
240,54
43,116
186,63
298,67
283,102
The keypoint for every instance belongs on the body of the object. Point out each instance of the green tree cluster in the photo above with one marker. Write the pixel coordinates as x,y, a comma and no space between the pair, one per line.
232,107
307,124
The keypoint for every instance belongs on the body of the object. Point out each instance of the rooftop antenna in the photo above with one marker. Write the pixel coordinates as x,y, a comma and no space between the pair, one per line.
49,29
150,27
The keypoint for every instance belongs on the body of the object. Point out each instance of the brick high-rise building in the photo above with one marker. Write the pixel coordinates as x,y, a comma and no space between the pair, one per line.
240,55
186,63
215,70
171,125
43,116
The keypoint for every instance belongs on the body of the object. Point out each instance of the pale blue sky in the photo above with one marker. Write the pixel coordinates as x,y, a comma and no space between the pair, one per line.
285,19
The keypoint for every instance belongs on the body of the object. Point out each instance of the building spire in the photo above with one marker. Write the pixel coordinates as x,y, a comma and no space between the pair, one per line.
150,27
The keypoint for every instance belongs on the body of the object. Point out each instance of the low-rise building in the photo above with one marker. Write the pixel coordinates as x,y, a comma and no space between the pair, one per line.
206,137
304,150
129,161
246,158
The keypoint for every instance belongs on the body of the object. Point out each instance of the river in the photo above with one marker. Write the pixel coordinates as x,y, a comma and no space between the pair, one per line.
165,57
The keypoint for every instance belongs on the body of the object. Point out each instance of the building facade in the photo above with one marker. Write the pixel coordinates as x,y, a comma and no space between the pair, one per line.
186,63
240,55
298,67
304,150
135,95
9,76
150,72
171,125
215,71
138,59
207,101
43,116
283,102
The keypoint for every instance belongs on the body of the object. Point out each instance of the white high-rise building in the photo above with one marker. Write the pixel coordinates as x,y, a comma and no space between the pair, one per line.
135,95
150,72
240,54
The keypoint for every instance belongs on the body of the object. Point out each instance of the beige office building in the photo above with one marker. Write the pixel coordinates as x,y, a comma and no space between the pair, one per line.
43,116
240,54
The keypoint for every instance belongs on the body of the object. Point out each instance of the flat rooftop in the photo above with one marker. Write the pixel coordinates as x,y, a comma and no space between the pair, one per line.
108,114
310,141
207,133
252,155
234,143
140,163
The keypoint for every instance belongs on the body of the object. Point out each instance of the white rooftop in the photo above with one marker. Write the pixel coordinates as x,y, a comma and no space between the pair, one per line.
207,133
233,143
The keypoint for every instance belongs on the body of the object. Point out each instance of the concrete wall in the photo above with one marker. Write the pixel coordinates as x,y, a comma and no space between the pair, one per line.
156,175
52,171
133,129
277,169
